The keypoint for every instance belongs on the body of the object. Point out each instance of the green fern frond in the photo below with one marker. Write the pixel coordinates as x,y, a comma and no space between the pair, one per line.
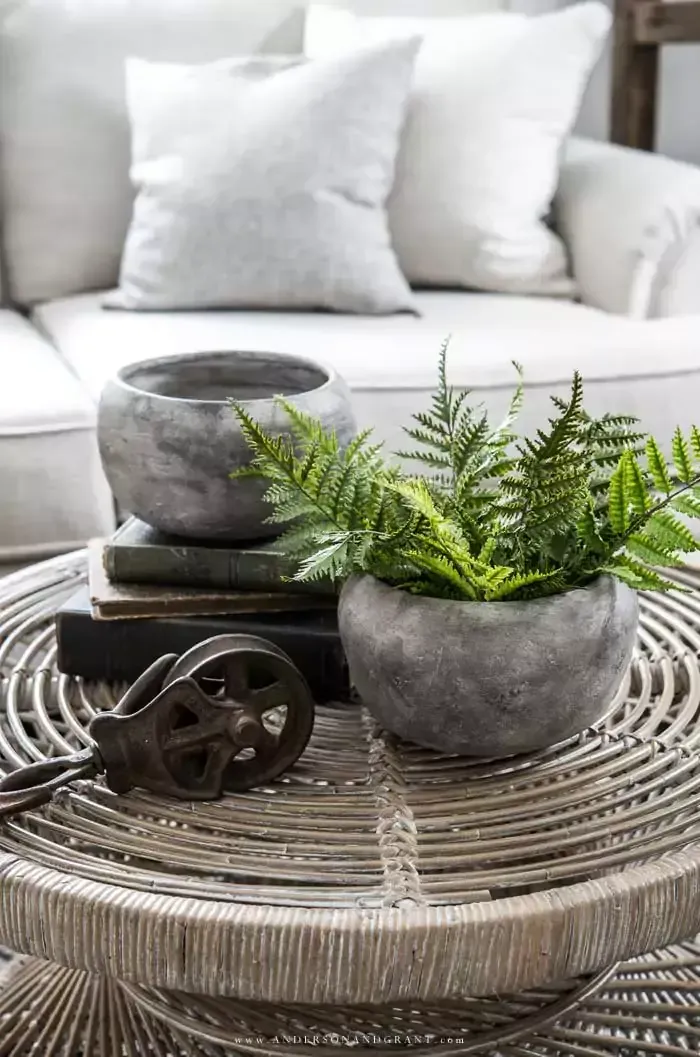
432,432
276,450
520,585
618,500
444,571
419,498
636,487
651,550
304,428
503,434
687,504
656,464
331,560
467,444
564,429
637,575
435,459
547,489
671,532
588,531
487,551
695,441
442,399
681,457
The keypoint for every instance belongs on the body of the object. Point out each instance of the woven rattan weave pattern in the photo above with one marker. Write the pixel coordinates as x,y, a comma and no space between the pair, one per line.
398,874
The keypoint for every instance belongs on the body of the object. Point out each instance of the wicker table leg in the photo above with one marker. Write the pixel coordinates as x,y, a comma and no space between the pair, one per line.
646,1008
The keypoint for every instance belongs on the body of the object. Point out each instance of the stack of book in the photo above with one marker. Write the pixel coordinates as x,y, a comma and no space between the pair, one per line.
150,594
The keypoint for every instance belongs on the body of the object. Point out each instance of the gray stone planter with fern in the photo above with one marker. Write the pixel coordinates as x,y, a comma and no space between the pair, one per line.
489,603
487,678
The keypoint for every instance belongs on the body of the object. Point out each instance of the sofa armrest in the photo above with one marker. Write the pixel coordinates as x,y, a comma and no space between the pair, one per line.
631,223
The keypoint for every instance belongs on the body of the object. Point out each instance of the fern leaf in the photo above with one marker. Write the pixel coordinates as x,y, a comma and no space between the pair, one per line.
329,561
439,567
671,532
637,575
291,505
494,578
309,460
299,540
358,444
520,582
437,461
686,504
468,442
588,532
651,550
565,428
681,457
695,441
503,432
487,551
418,497
304,428
636,487
618,504
443,396
432,432
656,464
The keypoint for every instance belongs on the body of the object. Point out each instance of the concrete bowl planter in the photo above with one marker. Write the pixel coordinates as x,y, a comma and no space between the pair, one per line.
487,678
169,439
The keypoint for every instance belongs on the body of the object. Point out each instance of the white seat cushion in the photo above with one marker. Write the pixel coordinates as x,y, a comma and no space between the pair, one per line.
648,368
53,493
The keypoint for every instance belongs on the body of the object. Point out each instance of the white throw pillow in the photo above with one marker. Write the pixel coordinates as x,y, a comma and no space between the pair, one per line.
262,183
494,97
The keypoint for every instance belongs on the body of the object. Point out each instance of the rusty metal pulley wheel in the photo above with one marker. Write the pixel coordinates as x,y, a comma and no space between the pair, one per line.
270,706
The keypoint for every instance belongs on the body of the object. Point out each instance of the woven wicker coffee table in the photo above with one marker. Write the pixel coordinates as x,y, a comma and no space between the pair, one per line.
378,895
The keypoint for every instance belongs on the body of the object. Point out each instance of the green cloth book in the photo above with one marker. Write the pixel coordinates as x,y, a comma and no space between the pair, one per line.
139,554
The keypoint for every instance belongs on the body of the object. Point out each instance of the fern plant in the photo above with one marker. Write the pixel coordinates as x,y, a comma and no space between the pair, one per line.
491,515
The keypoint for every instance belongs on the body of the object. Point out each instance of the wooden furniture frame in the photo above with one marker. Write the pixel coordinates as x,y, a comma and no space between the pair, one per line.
642,27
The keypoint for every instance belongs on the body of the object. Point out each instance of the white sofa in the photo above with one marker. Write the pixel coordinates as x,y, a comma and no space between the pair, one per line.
630,221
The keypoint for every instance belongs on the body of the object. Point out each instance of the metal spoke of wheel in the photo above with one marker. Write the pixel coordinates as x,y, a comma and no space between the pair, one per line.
268,697
236,682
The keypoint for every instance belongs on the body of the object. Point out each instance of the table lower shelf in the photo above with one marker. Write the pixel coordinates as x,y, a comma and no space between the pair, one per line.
647,1007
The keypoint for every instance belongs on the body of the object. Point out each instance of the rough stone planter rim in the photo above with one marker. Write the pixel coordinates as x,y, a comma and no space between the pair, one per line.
482,602
122,376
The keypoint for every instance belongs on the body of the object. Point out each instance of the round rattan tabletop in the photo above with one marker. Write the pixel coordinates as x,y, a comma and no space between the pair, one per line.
399,875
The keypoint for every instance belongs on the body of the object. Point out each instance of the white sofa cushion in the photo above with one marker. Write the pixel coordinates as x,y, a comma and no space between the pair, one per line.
650,368
631,222
493,99
262,182
64,164
53,493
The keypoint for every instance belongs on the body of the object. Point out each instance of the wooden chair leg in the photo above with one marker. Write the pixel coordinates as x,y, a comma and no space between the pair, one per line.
634,83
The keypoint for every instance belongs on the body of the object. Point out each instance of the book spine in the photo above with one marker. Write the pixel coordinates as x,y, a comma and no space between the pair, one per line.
174,566
206,567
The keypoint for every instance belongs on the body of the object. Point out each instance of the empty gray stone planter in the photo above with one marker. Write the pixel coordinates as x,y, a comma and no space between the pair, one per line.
487,678
169,439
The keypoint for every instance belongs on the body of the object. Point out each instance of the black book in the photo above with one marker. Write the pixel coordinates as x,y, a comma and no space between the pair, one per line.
139,554
116,650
